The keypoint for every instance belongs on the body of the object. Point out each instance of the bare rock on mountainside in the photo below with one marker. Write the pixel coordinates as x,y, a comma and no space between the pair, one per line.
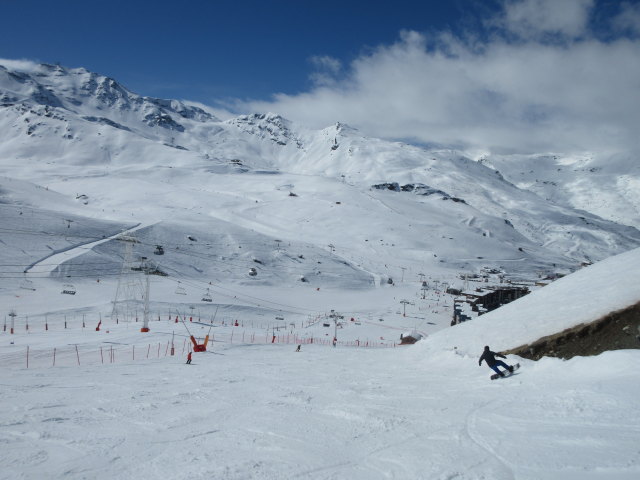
616,331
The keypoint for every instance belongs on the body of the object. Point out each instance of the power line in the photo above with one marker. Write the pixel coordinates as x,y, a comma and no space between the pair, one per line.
190,253
47,275
194,284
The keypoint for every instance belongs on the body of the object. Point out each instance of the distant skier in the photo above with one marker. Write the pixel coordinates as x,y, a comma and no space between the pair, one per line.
298,349
189,358
490,357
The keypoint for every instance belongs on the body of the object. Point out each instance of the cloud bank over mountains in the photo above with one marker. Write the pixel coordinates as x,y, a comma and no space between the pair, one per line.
540,75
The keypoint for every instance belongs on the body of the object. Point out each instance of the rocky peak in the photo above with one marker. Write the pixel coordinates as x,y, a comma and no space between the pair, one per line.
91,95
268,126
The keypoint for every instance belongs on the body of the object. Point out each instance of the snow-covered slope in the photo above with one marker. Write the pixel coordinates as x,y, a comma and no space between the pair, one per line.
607,185
119,406
583,297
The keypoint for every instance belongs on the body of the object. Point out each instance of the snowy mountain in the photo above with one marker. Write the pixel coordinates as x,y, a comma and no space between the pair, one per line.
605,184
258,201
84,135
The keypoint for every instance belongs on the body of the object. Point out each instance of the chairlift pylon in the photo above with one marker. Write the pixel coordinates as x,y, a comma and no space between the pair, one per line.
207,297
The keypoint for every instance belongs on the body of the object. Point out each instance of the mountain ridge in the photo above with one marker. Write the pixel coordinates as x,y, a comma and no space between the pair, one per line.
78,132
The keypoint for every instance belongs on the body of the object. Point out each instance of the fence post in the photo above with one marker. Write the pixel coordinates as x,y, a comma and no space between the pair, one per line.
27,356
54,356
101,356
77,354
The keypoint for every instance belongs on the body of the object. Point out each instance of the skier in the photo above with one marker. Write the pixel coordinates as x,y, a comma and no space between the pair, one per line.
490,358
298,349
189,358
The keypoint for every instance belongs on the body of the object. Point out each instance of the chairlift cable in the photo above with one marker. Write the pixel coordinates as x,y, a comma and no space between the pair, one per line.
238,296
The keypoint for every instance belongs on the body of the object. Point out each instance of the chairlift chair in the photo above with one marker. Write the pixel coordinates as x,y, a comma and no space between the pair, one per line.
159,250
68,289
27,285
181,291
253,272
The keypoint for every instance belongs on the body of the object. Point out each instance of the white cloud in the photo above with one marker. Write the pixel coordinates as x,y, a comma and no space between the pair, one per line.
577,95
21,65
326,69
327,63
628,19
537,18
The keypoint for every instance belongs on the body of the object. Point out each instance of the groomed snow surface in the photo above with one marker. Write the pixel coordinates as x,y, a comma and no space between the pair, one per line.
270,413
263,411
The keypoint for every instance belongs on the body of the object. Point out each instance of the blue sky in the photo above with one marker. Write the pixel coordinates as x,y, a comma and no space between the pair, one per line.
498,75
204,50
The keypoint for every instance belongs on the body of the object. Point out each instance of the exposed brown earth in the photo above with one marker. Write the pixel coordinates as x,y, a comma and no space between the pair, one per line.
617,330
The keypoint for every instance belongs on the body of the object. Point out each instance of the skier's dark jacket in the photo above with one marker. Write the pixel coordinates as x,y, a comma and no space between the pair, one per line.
490,357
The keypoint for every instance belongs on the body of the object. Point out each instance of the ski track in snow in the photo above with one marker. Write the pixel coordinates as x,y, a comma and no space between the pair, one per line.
58,257
265,412
323,413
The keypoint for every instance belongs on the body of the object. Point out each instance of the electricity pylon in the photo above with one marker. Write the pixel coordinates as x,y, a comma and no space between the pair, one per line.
130,290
